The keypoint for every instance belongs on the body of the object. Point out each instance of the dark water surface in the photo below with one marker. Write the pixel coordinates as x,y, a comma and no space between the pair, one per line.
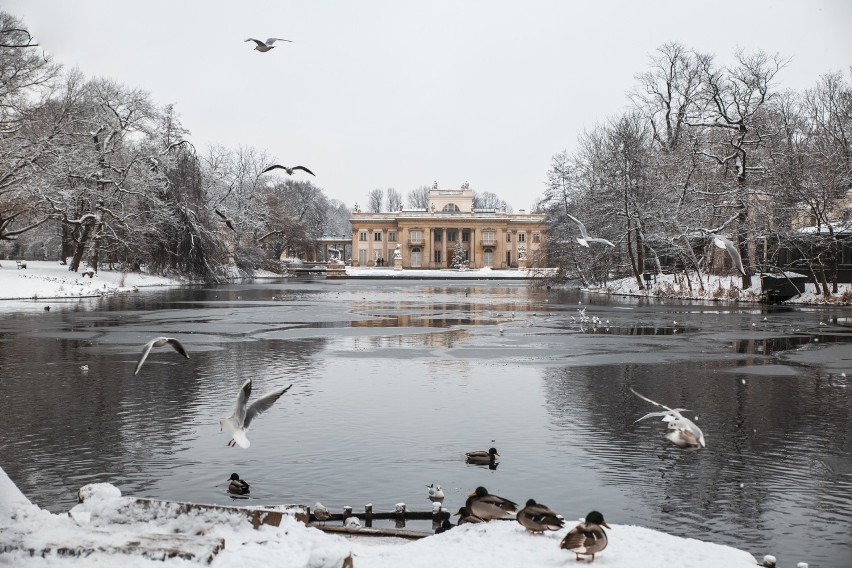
394,381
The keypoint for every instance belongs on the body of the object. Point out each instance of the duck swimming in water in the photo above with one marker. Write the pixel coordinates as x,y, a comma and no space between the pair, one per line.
482,457
237,486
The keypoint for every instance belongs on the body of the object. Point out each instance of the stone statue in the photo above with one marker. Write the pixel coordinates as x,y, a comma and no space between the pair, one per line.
522,251
397,253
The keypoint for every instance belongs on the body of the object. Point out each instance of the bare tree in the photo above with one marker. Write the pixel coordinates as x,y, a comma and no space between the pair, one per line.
489,200
418,198
374,200
736,98
30,121
393,198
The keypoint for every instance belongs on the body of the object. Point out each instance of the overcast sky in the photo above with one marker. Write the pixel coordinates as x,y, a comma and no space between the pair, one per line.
378,94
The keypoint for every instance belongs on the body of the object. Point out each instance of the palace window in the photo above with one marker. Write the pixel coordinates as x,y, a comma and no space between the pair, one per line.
392,237
536,237
452,235
488,236
508,237
377,236
522,237
362,236
437,256
451,208
438,235
465,236
416,236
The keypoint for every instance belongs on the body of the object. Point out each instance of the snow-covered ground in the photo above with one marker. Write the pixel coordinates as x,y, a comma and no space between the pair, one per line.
43,279
106,524
724,288
49,279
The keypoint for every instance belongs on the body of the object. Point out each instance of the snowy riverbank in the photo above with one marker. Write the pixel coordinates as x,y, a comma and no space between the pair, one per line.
109,530
716,288
42,279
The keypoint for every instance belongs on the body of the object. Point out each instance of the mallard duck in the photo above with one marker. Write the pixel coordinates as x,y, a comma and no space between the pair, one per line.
238,422
435,493
488,507
160,342
539,518
588,537
465,517
682,431
445,526
482,457
237,486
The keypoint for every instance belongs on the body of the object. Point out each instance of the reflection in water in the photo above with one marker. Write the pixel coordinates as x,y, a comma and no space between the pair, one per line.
393,383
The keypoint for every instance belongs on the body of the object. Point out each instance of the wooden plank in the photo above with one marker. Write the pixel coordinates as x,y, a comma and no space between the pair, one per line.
388,532
387,516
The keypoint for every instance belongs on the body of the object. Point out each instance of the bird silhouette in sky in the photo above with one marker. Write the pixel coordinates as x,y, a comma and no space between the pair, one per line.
264,46
287,169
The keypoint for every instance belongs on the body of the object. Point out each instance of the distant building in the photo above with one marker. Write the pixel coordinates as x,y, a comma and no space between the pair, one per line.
428,238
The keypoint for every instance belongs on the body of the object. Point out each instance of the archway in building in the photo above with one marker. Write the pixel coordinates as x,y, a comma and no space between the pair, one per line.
415,257
488,258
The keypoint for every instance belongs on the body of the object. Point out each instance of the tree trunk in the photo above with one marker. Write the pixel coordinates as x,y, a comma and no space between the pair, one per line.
81,248
67,248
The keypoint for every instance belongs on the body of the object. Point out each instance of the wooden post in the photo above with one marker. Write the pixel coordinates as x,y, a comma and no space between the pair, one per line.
368,515
347,512
400,515
307,515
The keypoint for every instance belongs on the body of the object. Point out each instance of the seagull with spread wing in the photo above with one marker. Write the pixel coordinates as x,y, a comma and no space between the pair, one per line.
682,431
725,244
159,342
238,423
264,46
287,169
227,220
585,239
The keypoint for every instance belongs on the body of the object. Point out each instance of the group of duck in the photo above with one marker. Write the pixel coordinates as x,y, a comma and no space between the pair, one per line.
587,538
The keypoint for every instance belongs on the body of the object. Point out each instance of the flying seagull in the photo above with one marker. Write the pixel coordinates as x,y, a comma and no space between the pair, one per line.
287,169
238,423
159,342
726,244
585,239
264,46
682,431
228,221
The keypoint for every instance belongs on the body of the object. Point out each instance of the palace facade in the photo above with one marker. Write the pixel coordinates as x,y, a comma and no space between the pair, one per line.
431,237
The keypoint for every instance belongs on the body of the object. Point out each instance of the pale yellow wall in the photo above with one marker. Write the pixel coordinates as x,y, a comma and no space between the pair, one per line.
426,222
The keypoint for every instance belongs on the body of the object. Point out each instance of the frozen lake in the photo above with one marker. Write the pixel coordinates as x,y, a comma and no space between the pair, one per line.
394,381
